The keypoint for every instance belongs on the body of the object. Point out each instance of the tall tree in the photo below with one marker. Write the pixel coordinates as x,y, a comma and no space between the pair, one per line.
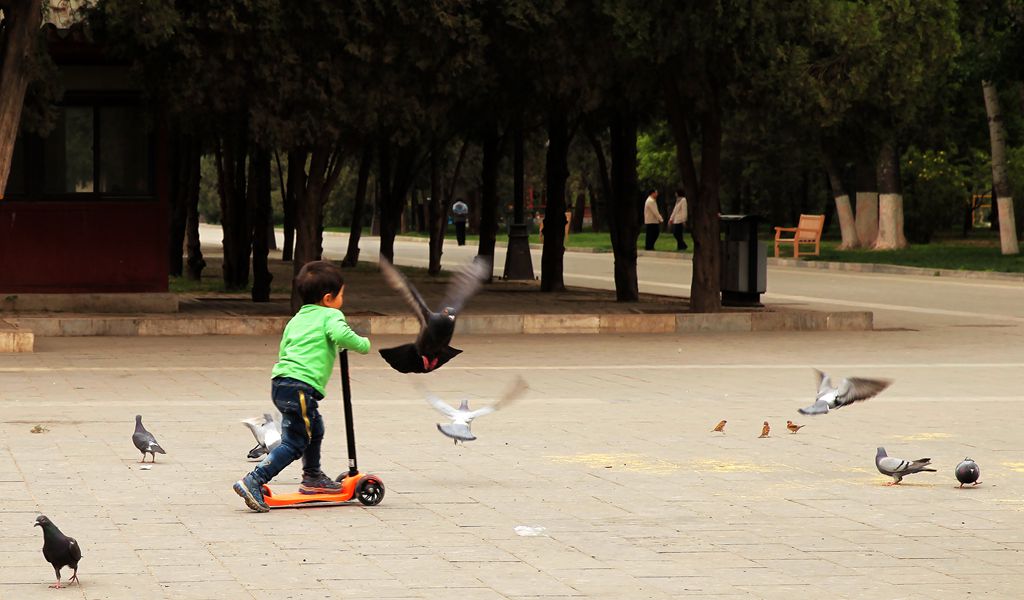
1000,179
19,31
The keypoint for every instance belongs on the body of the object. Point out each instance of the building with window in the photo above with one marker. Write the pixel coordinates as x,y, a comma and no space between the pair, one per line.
86,207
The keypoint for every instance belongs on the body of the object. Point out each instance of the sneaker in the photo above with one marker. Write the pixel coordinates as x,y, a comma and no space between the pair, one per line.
318,483
252,493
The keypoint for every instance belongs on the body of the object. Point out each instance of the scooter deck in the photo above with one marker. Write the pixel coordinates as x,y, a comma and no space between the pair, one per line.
347,493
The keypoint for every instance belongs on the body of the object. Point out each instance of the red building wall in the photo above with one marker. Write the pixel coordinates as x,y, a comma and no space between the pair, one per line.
83,246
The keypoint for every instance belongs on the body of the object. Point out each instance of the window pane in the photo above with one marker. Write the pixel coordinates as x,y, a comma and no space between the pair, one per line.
16,180
124,151
68,152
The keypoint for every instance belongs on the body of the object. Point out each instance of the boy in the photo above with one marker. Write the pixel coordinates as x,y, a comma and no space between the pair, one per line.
310,342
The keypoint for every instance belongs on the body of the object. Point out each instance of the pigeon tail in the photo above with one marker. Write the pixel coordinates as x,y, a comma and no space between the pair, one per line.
406,359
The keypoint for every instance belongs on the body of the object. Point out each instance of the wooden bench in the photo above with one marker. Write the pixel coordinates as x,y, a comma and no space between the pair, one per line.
807,231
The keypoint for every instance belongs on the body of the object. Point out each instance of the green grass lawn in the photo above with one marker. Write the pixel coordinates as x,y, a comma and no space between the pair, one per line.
969,255
980,252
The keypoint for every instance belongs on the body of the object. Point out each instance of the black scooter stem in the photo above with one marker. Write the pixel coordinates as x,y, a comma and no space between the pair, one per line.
346,393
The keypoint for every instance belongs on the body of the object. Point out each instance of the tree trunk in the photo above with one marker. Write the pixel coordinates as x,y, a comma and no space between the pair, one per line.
195,262
1000,180
867,204
890,201
181,169
623,219
397,171
21,27
847,225
579,209
702,196
436,220
556,174
293,194
606,186
307,216
261,213
489,193
231,155
358,208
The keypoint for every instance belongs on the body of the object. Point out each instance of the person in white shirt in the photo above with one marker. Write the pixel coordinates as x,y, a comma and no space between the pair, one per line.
652,220
678,219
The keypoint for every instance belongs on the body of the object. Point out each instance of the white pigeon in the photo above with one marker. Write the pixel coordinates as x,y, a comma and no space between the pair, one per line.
848,391
462,417
267,431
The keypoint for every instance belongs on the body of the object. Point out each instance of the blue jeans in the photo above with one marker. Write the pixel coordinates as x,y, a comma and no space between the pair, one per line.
302,429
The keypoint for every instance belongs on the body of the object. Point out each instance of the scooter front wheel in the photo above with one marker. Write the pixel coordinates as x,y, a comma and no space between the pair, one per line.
370,491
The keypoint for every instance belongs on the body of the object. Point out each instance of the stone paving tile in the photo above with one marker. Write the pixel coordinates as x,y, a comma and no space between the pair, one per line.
638,499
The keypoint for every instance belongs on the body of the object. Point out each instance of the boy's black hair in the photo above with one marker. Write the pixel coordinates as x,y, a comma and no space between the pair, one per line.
317,278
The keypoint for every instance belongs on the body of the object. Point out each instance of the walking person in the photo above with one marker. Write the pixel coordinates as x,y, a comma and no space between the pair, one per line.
678,220
460,212
652,220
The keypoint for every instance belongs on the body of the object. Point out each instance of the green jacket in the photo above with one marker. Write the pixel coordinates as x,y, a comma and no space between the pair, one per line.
310,343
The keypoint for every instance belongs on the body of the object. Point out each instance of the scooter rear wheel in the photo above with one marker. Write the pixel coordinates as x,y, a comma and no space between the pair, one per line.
370,491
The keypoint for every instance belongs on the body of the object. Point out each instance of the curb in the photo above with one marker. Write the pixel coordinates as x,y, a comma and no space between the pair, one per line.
542,324
895,269
655,253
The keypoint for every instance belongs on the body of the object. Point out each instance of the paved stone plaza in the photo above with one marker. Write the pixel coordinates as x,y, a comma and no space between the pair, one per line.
610,453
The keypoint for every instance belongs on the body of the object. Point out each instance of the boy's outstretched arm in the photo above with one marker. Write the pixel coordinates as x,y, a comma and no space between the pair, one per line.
342,335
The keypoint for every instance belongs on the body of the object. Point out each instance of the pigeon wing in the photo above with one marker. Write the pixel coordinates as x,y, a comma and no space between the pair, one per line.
74,552
441,406
856,389
824,383
818,408
400,284
466,283
256,426
513,393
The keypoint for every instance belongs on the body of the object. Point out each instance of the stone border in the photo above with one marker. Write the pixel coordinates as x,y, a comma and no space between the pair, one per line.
15,339
542,324
156,302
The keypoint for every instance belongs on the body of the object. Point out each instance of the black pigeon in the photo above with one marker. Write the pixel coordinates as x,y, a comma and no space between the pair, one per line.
58,549
431,349
145,441
968,472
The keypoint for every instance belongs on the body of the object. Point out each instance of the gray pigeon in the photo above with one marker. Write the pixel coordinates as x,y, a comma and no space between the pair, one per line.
897,468
145,441
58,549
267,431
431,349
848,391
462,417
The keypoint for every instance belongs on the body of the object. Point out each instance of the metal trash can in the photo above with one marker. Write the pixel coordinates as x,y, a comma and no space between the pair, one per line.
744,261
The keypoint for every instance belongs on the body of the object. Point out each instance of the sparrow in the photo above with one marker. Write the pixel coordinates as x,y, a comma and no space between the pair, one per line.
765,430
720,426
793,427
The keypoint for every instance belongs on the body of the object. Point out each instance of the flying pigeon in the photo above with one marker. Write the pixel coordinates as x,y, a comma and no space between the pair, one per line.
793,427
765,430
721,426
267,432
145,441
462,417
846,392
968,472
897,468
58,549
431,349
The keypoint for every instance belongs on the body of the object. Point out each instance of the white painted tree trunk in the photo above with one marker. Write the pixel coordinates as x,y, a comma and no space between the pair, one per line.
890,223
847,226
867,218
1000,180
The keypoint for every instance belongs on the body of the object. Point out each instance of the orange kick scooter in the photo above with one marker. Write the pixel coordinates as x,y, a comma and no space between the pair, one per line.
366,488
